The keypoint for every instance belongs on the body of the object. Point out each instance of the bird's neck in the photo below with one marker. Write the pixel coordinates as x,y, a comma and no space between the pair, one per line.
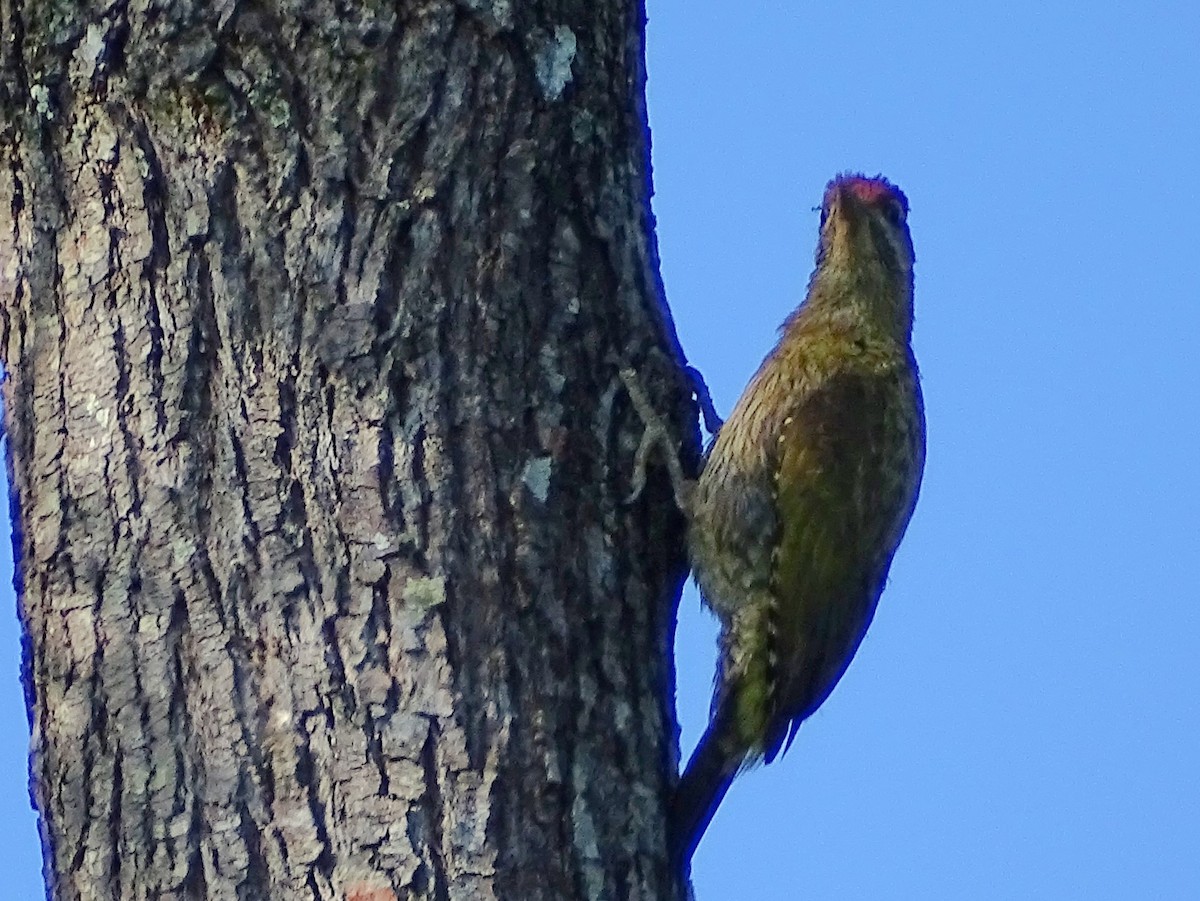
873,304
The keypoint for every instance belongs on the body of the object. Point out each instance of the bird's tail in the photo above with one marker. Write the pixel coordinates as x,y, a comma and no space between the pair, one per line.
703,784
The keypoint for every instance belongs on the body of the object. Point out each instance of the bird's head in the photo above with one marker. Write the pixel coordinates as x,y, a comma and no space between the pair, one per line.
864,228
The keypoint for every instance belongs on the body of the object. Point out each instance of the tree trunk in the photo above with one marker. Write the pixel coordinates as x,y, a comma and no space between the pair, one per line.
312,319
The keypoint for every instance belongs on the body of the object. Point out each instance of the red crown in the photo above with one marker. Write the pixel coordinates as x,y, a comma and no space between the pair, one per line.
874,191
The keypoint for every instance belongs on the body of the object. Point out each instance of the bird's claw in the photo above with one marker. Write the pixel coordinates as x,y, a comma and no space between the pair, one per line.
655,434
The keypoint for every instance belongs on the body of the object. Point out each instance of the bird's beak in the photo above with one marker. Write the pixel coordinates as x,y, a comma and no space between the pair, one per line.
843,203
838,228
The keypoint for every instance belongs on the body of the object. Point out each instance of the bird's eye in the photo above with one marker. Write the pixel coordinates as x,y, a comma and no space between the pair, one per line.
824,214
894,212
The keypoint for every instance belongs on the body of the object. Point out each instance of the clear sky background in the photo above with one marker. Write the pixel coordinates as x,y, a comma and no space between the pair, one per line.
1023,719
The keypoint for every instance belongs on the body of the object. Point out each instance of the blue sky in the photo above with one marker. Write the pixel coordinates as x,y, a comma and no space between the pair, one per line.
1023,720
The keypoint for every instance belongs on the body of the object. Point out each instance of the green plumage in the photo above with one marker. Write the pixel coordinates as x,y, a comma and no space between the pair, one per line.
806,493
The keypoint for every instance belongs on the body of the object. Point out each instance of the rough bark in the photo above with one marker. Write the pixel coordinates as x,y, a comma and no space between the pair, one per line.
312,314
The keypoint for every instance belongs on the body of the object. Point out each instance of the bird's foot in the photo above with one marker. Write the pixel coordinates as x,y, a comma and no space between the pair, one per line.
656,434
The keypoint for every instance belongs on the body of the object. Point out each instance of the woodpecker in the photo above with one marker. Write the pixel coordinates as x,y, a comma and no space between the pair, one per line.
806,494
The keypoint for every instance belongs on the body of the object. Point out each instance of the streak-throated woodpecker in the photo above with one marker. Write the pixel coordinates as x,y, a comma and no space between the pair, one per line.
806,493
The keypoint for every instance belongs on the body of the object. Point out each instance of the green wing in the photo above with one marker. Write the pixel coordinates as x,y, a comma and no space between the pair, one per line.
849,458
